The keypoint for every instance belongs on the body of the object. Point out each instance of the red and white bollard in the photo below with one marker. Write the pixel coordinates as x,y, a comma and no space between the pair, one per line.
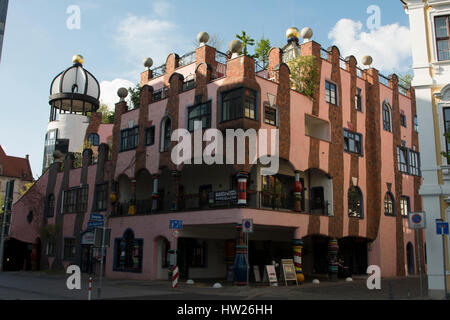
175,277
90,289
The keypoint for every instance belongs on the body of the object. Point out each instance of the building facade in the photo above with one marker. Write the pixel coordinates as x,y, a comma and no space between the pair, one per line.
429,21
3,14
348,172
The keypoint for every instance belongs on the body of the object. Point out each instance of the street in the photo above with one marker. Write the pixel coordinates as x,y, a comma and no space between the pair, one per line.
46,286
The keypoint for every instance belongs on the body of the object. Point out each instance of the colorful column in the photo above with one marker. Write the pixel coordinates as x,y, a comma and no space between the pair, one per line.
297,192
132,207
176,189
240,264
242,188
298,247
333,249
155,195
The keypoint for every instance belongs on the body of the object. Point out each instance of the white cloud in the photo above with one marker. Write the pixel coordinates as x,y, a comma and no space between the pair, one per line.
389,46
108,91
141,37
162,8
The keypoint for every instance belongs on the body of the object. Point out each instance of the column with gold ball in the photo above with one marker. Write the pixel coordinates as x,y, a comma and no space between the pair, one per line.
298,247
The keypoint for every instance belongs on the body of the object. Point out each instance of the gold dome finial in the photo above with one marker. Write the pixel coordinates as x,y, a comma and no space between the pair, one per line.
292,33
78,58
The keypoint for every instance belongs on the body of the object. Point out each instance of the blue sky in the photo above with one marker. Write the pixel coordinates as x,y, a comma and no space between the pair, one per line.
115,36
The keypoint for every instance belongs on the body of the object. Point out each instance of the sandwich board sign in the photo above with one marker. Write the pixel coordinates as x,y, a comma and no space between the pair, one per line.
289,270
270,275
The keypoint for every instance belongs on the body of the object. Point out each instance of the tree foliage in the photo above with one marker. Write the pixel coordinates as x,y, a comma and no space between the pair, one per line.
247,41
107,115
135,95
262,49
304,75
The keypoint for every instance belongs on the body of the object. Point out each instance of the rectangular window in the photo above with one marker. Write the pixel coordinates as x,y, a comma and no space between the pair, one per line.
239,103
75,200
69,249
330,93
442,38
150,136
403,120
101,196
447,129
129,139
352,142
414,163
358,99
270,115
402,157
404,206
199,113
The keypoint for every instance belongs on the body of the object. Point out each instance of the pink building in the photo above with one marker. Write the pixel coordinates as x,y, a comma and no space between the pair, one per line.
348,172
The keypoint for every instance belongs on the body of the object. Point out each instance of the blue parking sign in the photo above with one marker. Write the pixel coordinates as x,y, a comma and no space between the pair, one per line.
441,228
176,224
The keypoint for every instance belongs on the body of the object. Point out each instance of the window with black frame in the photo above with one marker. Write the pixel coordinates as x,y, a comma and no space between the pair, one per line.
239,103
270,115
414,163
50,210
402,157
199,113
442,37
447,130
355,202
387,117
403,120
352,142
389,204
330,93
94,139
101,196
129,139
404,206
166,134
150,136
358,100
75,200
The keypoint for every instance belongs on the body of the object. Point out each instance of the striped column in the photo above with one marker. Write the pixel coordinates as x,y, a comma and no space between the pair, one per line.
240,264
298,192
333,249
242,188
298,247
175,276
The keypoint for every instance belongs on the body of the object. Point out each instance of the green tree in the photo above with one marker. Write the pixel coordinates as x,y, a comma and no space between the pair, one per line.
107,115
135,95
246,42
304,75
2,203
262,49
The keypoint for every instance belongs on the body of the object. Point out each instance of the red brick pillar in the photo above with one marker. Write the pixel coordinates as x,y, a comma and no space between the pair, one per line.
242,188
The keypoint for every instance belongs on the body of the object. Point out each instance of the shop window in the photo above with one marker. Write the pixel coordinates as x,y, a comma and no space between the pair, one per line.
128,252
69,249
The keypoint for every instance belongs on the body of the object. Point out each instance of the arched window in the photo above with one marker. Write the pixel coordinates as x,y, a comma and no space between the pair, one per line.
389,204
355,202
94,139
50,206
387,117
166,133
128,253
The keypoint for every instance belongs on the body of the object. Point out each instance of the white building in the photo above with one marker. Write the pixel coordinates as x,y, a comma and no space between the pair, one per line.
430,31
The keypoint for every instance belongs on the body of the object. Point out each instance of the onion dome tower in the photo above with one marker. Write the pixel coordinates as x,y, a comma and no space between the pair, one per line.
292,49
74,90
74,93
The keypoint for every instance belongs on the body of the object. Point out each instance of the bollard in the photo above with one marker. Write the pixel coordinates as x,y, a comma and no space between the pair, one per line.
90,289
391,295
175,278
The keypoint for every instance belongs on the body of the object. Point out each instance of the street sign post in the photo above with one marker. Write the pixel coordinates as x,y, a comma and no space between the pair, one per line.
417,222
442,229
247,228
176,226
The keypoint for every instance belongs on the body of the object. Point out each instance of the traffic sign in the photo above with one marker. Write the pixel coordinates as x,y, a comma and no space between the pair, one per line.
441,227
176,224
416,220
95,224
96,217
247,225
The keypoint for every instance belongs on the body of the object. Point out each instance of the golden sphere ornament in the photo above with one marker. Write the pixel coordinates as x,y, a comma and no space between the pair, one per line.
78,58
292,33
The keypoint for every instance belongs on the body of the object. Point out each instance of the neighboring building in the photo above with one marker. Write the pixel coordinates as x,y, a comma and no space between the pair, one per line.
17,169
430,36
3,14
349,171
